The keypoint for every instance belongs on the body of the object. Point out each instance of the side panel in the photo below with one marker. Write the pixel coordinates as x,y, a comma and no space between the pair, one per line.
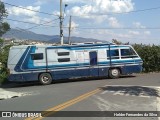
26,63
15,54
21,65
103,62
82,61
61,63
24,77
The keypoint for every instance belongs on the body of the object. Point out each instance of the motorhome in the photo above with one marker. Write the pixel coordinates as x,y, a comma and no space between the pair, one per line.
49,63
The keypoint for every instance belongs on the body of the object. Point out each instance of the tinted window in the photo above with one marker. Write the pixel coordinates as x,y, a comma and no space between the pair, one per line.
128,53
63,53
113,53
133,52
37,56
125,52
64,60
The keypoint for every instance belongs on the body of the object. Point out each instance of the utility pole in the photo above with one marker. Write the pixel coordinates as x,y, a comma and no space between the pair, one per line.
69,37
61,23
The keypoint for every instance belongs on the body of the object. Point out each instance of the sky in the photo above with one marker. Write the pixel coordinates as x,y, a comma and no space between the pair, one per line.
133,21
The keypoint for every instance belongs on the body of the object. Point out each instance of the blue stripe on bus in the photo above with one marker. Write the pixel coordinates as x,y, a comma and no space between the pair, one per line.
86,47
74,73
25,61
65,66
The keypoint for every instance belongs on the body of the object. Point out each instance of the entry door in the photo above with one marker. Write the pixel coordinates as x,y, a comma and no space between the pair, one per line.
93,63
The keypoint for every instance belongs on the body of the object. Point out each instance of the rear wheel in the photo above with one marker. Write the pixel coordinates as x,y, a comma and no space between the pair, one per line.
114,73
45,78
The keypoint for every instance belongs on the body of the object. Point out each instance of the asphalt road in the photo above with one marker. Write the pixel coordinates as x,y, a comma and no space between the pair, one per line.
129,93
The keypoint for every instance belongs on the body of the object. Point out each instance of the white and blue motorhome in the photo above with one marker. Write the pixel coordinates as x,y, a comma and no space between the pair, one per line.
47,63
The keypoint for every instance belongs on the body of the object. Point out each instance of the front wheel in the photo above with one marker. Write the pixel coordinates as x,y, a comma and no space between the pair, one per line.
114,73
45,78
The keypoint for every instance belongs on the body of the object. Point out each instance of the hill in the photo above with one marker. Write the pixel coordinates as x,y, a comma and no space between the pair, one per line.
28,35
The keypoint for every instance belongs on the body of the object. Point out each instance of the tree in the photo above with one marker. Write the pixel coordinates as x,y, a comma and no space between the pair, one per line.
4,26
3,60
116,42
150,56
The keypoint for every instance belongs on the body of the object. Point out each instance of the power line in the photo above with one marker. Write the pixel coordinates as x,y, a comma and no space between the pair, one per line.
43,24
116,28
37,25
101,28
111,13
30,9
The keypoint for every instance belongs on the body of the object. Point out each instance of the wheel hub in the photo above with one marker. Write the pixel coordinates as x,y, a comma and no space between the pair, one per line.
45,79
114,72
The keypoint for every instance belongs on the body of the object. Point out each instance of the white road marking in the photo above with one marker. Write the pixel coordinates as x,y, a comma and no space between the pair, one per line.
4,94
140,95
131,86
158,102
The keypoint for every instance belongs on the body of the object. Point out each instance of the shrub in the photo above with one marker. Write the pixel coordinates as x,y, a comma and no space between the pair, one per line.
3,59
150,56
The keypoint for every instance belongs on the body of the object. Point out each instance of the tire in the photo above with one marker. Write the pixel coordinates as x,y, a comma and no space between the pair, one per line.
114,73
45,79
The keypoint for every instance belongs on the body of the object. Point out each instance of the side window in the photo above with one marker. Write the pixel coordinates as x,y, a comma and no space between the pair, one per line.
125,53
37,56
114,54
128,53
63,53
133,52
63,56
64,60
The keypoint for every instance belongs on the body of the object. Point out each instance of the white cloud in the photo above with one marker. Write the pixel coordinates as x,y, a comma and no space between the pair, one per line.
113,22
56,13
34,19
28,15
122,35
99,20
138,25
80,11
74,31
41,2
76,1
147,32
102,7
121,5
97,10
19,11
73,25
134,32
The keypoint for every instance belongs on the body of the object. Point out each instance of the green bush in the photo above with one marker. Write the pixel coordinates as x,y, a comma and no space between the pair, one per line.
3,59
150,56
